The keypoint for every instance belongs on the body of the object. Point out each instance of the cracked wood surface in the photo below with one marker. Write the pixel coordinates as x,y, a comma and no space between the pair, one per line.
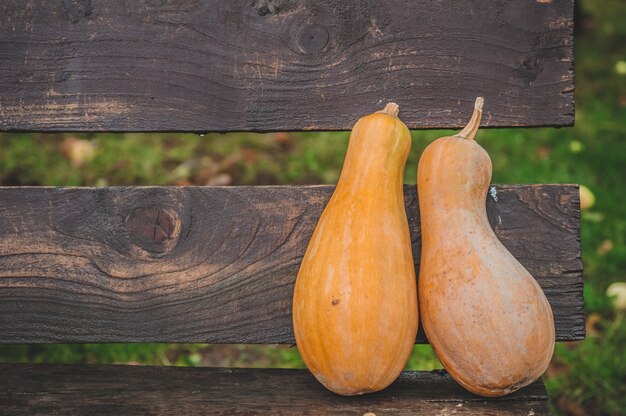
262,65
218,264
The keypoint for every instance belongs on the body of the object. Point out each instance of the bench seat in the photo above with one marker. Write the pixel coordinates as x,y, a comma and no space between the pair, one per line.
218,265
138,390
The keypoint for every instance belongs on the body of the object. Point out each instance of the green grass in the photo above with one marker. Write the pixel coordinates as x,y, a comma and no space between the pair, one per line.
586,376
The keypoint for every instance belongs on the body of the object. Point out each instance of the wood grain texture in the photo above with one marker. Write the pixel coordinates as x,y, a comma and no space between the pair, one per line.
218,264
125,390
262,65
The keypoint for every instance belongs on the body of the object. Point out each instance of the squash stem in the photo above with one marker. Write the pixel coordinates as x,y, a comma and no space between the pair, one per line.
469,132
391,108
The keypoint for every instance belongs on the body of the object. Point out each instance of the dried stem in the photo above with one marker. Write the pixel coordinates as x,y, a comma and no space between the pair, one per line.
391,108
469,132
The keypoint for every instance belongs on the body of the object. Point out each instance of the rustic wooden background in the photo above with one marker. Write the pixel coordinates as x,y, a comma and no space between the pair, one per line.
218,264
261,65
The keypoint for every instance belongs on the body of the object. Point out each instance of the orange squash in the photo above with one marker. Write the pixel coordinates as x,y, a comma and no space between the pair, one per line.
355,299
486,317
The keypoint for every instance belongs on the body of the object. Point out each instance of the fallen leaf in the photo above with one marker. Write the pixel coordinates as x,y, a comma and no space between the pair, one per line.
182,182
570,407
617,292
591,324
543,152
605,247
587,198
78,151
249,155
223,179
284,141
208,168
234,158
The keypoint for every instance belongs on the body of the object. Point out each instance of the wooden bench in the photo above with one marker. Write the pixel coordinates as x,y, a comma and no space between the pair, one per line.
217,264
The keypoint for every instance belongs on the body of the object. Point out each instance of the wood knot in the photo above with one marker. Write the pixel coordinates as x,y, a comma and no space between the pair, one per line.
264,7
530,62
313,38
155,230
529,68
77,10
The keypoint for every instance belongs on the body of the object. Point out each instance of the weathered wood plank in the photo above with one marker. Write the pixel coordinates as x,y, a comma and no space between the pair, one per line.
126,390
218,264
224,65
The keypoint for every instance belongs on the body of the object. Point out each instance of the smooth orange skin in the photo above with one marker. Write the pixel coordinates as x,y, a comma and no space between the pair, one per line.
485,316
355,313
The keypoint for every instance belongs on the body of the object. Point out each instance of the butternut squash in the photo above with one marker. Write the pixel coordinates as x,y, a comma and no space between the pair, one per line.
355,311
486,317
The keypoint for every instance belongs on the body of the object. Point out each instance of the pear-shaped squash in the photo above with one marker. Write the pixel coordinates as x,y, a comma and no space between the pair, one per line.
486,317
355,299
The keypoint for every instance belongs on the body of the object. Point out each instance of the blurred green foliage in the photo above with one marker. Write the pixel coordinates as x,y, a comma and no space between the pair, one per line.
585,377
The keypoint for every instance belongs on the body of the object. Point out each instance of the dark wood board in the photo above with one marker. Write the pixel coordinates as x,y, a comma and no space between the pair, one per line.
218,264
125,390
263,65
